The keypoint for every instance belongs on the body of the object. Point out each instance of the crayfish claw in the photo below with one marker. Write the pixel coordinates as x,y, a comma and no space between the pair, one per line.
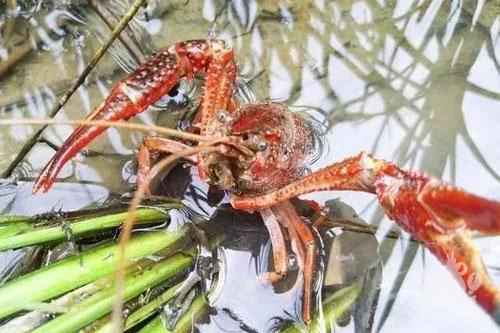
463,259
134,94
452,207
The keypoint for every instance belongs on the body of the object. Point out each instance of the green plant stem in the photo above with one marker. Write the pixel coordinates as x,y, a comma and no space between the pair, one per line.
6,219
76,271
101,303
155,326
185,324
12,229
334,307
29,236
143,312
31,320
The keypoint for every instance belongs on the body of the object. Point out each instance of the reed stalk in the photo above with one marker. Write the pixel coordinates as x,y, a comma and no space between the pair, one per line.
26,292
334,307
20,234
142,313
101,303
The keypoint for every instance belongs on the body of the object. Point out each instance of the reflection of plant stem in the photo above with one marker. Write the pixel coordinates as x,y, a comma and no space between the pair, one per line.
10,21
17,55
356,227
334,307
97,56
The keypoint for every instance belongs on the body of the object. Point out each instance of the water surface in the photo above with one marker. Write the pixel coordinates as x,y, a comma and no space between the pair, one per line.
414,82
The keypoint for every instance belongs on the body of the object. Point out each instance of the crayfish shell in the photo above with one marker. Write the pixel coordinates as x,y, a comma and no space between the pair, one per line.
282,141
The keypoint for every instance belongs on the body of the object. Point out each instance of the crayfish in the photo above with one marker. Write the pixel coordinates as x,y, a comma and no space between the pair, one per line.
258,153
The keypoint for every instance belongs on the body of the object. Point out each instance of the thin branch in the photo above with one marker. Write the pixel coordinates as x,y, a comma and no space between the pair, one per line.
18,54
95,6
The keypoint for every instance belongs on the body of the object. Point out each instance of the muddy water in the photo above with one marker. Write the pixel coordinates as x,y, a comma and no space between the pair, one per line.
415,82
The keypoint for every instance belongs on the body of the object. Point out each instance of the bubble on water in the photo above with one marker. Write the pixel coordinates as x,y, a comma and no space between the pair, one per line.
129,172
293,262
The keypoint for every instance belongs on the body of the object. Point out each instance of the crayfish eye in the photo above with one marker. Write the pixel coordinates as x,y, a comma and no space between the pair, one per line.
255,142
223,116
261,145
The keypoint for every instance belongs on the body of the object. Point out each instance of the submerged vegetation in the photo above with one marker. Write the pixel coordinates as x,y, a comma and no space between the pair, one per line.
78,286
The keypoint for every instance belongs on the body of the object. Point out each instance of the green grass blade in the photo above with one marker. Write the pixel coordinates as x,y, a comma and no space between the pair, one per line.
334,307
29,236
143,312
101,303
76,271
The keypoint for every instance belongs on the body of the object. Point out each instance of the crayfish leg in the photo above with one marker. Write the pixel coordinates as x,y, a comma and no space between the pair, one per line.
217,97
436,214
280,255
82,136
304,246
442,216
351,174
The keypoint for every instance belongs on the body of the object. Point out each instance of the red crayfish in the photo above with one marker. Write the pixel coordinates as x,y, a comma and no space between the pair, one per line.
260,159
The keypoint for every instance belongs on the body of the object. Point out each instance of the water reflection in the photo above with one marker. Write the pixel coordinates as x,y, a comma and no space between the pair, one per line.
415,82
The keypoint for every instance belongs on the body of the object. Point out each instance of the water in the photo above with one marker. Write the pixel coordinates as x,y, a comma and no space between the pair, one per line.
415,82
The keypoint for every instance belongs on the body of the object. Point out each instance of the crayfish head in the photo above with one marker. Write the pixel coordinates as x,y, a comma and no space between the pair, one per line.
281,142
